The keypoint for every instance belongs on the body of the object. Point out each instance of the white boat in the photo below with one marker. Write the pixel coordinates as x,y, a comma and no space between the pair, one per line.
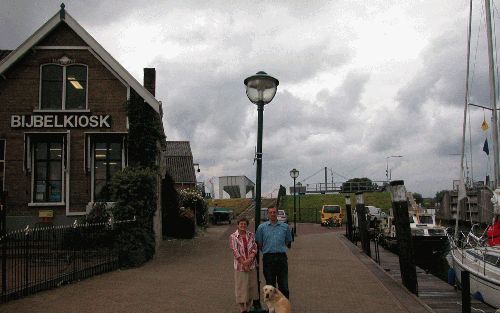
482,261
427,237
480,255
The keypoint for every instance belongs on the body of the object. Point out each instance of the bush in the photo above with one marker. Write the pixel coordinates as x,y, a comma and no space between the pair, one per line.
134,189
100,213
193,199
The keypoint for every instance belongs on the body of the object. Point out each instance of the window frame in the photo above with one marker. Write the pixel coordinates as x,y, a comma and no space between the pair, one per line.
64,83
30,139
98,137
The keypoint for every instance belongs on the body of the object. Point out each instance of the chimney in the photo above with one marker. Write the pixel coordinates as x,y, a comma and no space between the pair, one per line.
150,80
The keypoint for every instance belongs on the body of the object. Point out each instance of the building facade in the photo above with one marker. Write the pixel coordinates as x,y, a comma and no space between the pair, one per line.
63,123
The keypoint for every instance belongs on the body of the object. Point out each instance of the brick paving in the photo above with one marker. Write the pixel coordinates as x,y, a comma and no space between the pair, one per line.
327,274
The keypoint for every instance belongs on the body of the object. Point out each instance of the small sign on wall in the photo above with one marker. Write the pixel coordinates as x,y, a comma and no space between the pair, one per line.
46,213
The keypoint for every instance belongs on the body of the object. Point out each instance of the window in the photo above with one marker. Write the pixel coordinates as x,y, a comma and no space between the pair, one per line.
63,87
48,159
2,164
108,160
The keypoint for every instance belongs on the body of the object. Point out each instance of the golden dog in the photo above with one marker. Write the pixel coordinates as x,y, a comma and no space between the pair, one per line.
275,301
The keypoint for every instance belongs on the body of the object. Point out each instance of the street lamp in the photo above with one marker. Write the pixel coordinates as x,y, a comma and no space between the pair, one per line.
387,165
294,174
261,89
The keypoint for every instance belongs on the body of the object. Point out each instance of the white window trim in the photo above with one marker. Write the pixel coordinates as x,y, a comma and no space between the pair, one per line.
89,160
29,154
63,104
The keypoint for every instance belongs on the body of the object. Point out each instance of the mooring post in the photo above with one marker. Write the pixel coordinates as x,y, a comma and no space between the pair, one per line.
403,235
3,242
465,280
348,212
362,224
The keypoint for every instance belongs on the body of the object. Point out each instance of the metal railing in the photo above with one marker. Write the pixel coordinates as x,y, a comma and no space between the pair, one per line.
44,257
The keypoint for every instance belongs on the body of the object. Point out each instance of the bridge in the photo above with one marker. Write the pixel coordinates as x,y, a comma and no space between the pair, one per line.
338,187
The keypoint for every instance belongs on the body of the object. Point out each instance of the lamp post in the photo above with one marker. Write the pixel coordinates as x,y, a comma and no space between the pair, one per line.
294,174
299,184
260,89
387,176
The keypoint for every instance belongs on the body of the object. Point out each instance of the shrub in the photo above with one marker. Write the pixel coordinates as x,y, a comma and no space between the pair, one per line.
193,199
135,197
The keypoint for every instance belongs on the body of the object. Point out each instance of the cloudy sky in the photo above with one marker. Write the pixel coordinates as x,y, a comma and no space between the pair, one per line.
359,81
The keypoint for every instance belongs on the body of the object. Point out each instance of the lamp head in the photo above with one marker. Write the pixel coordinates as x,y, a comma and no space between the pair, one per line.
261,87
294,173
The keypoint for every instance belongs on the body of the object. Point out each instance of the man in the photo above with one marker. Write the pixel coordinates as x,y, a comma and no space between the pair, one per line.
273,237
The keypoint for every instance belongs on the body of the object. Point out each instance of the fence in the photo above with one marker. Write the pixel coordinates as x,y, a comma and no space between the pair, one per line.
35,259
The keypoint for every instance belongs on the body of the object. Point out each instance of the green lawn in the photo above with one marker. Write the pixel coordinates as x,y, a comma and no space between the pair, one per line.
310,205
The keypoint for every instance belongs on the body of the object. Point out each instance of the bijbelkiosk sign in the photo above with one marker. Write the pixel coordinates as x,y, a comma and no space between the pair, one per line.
60,121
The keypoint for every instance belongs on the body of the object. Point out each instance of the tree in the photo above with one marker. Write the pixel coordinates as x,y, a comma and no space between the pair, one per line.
358,184
439,196
418,198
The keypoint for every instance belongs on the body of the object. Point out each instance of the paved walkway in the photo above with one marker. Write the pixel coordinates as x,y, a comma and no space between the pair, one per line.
327,274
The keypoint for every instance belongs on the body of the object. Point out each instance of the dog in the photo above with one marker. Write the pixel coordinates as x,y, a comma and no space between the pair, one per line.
275,301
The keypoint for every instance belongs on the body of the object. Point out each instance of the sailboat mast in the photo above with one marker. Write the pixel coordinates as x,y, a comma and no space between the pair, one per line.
466,104
493,98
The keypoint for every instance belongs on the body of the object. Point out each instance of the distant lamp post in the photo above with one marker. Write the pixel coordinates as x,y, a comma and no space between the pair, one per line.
294,174
388,176
261,89
299,185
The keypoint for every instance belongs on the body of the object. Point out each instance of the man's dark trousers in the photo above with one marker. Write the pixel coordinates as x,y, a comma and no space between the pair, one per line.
276,271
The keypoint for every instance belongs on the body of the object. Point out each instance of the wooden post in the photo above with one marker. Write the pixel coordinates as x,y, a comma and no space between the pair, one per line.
363,226
403,234
349,216
465,279
3,242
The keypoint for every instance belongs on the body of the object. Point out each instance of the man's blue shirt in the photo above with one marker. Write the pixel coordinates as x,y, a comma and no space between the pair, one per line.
273,238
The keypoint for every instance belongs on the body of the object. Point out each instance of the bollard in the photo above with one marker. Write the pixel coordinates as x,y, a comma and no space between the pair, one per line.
362,224
403,234
465,280
349,216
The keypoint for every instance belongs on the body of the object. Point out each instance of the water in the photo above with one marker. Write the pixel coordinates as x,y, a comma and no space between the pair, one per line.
436,264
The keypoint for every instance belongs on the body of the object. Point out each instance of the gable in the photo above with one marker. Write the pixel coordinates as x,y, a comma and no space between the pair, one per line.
68,27
62,35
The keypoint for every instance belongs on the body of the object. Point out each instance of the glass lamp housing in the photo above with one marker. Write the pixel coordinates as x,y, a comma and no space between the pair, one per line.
261,87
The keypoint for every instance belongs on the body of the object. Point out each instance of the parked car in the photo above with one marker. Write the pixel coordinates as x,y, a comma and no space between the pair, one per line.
331,211
221,215
375,214
282,216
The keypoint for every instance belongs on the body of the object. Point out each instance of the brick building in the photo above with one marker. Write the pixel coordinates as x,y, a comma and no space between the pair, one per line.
63,123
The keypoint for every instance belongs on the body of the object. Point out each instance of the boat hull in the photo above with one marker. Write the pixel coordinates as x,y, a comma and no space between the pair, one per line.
423,245
488,287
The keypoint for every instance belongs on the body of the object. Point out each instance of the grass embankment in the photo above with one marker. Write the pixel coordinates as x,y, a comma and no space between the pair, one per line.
310,205
237,205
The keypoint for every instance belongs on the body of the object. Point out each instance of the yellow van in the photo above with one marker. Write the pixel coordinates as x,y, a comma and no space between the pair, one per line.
331,211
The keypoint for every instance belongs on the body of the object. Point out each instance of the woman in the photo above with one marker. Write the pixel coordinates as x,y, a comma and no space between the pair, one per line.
242,242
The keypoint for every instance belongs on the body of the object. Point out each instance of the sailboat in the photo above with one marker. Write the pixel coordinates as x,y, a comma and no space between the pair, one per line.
480,255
